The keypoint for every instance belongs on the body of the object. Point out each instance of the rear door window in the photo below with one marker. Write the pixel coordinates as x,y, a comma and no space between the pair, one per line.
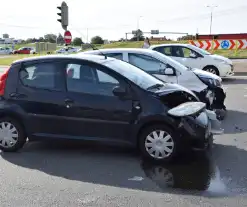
115,55
42,76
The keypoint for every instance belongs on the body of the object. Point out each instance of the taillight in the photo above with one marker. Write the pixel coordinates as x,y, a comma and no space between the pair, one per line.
3,78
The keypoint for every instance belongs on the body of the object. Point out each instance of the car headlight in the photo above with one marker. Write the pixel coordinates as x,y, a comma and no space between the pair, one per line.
210,81
221,61
186,109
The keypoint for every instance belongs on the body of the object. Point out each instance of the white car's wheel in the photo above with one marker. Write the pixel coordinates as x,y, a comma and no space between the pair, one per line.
12,136
159,143
211,69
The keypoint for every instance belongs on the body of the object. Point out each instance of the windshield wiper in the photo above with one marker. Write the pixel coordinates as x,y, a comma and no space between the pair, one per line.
158,85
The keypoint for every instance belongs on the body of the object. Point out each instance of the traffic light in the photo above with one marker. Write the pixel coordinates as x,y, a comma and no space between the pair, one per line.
64,14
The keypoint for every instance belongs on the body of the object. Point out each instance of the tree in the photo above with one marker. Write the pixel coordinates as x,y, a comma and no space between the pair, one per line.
60,39
77,41
41,39
52,38
138,35
97,40
5,35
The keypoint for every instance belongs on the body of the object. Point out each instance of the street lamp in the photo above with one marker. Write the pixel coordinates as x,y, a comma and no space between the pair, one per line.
211,15
138,21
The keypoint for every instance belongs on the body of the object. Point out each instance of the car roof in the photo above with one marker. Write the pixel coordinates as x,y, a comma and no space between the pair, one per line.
93,58
170,44
119,50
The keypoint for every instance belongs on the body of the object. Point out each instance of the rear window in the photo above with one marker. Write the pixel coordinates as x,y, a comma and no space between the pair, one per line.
42,76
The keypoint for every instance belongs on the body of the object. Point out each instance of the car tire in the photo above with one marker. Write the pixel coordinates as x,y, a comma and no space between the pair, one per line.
159,143
212,69
12,135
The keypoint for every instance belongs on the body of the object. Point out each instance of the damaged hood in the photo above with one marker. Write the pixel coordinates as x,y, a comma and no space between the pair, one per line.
173,87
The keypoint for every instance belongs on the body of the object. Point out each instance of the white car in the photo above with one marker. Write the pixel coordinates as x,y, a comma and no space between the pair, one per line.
33,51
5,51
70,50
206,85
195,57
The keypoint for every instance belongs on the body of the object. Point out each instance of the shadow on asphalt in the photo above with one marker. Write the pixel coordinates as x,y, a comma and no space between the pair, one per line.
196,174
235,122
234,81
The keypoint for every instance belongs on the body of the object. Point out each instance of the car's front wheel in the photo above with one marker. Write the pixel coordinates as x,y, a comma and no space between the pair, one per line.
212,69
159,143
12,135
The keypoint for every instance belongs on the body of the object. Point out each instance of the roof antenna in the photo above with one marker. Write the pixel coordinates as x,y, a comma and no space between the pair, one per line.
95,48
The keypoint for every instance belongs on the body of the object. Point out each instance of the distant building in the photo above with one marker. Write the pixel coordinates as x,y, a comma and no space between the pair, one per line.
158,38
9,41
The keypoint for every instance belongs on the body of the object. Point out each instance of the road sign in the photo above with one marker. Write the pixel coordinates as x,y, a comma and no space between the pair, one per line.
67,37
154,31
225,44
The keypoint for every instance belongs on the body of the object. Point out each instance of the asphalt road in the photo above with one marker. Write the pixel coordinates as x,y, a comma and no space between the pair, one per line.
72,174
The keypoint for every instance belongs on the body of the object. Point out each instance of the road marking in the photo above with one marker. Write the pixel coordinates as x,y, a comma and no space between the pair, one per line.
245,95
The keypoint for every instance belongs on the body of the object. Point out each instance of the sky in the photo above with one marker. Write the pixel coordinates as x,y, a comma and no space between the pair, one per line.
111,19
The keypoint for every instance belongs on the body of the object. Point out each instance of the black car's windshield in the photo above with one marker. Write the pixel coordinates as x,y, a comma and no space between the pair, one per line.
134,74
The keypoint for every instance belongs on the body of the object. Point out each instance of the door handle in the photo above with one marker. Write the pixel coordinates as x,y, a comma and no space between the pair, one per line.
17,95
68,103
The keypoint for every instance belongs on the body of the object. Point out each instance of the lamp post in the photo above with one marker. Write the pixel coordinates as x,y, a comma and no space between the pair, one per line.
138,24
211,16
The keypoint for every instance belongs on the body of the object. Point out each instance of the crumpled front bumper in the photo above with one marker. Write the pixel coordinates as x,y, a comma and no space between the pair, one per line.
199,130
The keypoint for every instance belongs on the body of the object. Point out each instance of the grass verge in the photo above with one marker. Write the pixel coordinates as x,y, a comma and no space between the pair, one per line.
7,60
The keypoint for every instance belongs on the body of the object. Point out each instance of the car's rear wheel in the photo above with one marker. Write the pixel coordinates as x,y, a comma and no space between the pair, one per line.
12,135
159,143
212,69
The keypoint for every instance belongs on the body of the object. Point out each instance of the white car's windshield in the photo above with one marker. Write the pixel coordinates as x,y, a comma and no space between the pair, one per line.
170,61
134,74
204,52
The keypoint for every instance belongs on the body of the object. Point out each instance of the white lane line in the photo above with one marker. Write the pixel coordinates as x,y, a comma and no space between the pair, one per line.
245,96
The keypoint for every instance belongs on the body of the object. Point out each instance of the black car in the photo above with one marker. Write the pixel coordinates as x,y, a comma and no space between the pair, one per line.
95,98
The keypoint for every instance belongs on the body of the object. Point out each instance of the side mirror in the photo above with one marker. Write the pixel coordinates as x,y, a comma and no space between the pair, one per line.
169,71
119,91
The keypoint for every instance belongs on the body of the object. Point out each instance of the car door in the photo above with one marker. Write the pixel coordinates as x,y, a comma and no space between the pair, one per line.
152,66
41,95
187,56
93,110
22,50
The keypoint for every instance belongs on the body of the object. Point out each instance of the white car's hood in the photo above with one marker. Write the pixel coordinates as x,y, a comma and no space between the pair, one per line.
219,57
206,74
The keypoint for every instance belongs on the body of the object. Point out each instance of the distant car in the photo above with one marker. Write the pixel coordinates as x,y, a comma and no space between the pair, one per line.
5,51
70,50
33,51
195,57
88,97
23,50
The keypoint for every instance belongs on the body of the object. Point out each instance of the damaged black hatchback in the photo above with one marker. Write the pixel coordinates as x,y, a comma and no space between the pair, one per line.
95,98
